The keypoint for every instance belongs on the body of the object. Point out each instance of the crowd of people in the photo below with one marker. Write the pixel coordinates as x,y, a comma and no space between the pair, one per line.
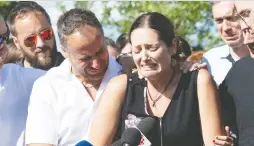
97,90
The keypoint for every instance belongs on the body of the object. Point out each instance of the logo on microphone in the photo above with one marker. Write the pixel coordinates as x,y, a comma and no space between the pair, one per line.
142,141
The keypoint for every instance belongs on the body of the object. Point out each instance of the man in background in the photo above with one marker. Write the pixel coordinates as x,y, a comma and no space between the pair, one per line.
32,33
219,60
237,88
64,101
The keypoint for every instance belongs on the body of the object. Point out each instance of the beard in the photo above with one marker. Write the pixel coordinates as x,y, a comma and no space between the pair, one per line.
42,60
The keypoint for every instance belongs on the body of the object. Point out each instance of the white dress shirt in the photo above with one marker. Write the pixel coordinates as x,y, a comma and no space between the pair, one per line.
219,61
15,87
60,108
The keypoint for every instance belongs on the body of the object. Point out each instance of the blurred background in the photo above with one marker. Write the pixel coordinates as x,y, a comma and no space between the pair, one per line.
193,20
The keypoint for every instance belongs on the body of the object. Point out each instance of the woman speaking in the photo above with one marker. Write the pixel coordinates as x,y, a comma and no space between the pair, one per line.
185,104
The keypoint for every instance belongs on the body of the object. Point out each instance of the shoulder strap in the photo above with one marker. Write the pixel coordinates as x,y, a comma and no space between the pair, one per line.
194,80
132,80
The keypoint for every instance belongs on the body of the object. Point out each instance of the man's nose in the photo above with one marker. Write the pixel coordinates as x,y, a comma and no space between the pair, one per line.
96,63
40,42
227,26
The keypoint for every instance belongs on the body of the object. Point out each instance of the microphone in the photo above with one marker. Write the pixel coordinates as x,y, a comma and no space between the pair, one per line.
117,143
146,125
131,137
84,143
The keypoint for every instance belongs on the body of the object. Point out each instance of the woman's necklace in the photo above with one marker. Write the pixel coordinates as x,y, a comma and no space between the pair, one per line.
159,94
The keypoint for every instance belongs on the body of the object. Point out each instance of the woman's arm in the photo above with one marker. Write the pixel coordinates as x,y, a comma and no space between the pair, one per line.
106,120
209,107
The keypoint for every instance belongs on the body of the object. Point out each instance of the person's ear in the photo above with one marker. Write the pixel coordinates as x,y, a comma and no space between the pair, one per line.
64,51
173,49
16,42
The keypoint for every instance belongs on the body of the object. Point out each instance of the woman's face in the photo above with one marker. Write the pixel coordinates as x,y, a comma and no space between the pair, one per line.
150,54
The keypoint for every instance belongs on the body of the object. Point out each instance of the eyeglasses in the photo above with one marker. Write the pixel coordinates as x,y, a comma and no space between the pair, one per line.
243,16
31,40
4,37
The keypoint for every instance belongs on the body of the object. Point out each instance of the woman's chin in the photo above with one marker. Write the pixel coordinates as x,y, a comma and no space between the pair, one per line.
150,74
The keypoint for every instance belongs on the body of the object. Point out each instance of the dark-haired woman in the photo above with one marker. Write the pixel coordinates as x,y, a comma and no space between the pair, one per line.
185,105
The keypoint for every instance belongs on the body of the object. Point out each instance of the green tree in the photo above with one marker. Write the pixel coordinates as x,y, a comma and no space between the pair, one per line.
5,7
192,20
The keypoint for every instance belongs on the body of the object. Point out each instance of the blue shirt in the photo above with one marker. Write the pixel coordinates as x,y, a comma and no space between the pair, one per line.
15,87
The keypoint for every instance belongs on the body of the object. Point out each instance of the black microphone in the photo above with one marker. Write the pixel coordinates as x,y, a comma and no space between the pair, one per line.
131,137
146,125
84,143
117,143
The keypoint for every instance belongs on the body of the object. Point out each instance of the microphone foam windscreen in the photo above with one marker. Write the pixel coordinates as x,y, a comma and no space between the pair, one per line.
117,143
146,125
131,136
84,143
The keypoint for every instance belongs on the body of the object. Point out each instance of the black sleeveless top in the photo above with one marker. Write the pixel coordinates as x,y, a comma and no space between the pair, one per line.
180,125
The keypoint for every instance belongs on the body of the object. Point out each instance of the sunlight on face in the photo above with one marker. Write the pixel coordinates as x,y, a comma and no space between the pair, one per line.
227,23
87,52
150,55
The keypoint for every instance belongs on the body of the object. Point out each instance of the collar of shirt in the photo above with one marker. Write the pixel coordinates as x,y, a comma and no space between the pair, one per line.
113,70
227,55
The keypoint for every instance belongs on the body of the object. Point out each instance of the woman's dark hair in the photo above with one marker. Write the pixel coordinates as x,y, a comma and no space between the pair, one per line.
183,47
157,22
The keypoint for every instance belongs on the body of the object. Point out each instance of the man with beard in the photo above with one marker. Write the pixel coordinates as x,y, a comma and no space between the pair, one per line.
64,100
15,88
220,60
32,33
237,88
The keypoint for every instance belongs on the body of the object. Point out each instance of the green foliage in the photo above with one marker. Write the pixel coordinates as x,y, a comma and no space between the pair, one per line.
81,4
191,19
5,7
77,4
60,6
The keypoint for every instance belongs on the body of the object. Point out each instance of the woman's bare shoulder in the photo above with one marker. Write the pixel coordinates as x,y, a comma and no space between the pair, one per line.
118,81
204,77
118,84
